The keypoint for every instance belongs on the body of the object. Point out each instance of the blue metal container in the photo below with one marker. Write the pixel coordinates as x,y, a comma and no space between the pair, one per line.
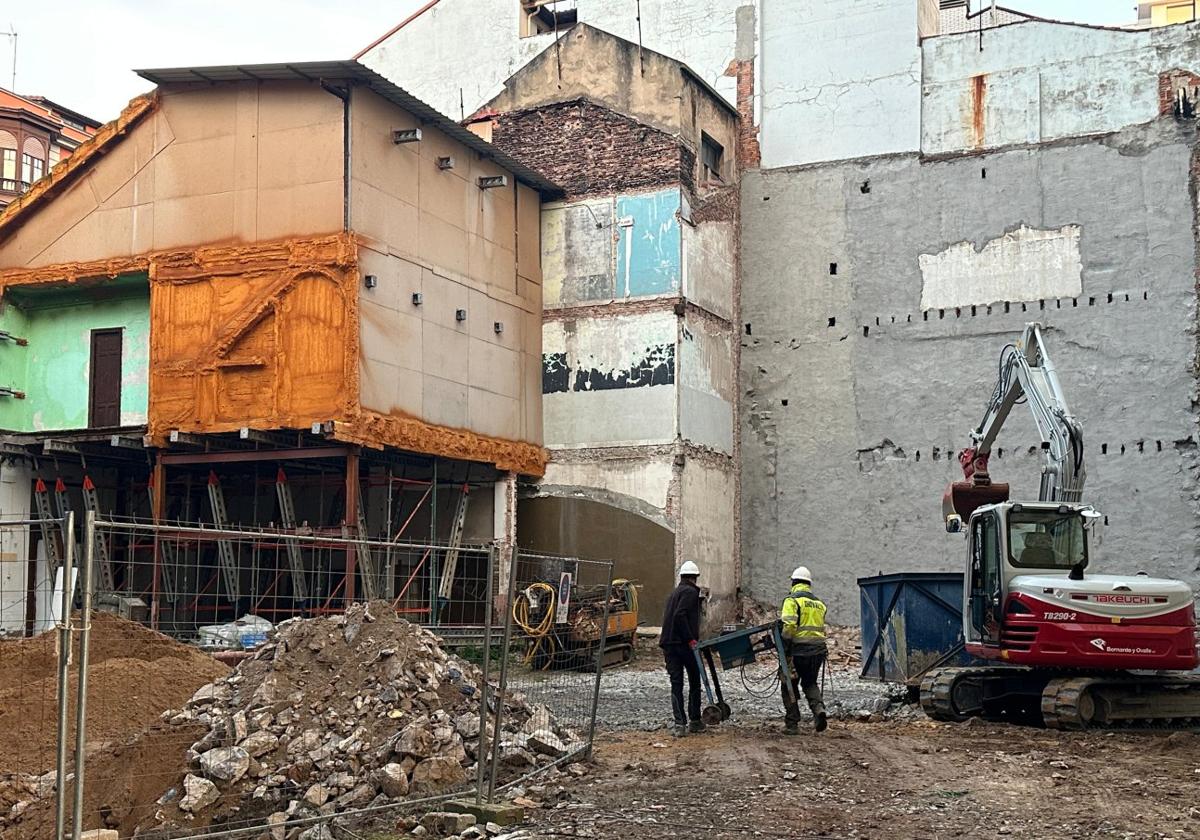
911,623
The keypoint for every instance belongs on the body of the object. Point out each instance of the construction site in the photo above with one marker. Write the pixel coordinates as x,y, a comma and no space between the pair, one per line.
365,422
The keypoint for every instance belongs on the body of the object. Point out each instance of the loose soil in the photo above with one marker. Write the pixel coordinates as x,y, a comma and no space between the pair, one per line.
134,674
914,780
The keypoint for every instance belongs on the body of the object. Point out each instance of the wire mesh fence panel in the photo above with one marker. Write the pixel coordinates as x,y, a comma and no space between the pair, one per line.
290,678
36,698
559,614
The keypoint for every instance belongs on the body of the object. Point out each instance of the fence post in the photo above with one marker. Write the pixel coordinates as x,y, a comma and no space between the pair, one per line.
504,657
64,666
600,661
482,750
85,631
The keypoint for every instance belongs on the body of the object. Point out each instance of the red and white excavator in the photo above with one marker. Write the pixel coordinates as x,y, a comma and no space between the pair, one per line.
1068,649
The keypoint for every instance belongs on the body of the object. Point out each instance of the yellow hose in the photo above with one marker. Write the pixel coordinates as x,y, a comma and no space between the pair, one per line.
539,635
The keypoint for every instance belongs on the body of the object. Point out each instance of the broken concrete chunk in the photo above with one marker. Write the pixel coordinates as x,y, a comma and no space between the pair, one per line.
207,694
199,793
441,824
392,780
356,797
415,740
547,743
317,795
225,764
437,774
259,744
277,825
540,719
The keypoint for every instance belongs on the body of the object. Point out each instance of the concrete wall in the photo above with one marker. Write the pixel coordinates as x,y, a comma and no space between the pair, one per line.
434,232
610,381
708,502
16,484
857,396
707,381
53,369
855,92
225,163
1039,81
472,46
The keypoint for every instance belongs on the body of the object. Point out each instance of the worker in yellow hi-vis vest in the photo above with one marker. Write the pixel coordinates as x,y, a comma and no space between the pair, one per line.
803,620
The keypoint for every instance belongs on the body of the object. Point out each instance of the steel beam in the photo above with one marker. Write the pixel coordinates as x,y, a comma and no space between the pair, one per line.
186,438
298,454
51,446
126,442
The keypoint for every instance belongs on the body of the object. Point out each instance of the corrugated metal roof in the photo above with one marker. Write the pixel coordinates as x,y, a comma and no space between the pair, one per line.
341,71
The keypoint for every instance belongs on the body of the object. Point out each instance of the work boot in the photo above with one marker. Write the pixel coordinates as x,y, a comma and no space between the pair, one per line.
678,731
696,726
820,719
791,728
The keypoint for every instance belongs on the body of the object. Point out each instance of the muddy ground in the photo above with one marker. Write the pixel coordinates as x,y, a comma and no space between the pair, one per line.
900,780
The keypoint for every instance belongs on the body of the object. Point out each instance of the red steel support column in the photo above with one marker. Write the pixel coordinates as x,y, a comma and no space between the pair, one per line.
158,480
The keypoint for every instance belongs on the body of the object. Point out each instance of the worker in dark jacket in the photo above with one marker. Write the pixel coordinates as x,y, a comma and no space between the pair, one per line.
680,632
803,630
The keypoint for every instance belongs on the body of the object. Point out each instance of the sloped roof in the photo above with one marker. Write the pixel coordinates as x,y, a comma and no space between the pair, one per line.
66,170
352,71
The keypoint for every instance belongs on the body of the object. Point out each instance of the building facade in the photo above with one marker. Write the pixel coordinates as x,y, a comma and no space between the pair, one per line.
639,294
35,134
351,299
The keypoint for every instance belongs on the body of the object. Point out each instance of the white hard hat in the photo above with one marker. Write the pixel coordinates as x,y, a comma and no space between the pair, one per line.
802,573
689,568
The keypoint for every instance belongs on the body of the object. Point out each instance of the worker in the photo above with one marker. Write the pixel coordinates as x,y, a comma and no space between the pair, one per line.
680,633
803,620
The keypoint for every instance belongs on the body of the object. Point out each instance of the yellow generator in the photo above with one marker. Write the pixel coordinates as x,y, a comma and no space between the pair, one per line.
569,639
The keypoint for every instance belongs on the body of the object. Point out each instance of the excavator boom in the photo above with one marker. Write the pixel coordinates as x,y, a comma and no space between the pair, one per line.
1026,375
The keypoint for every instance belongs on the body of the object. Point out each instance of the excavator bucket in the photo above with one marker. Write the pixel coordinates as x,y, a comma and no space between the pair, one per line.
965,497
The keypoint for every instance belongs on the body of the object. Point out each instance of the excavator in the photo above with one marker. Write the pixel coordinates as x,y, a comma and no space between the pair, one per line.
1060,646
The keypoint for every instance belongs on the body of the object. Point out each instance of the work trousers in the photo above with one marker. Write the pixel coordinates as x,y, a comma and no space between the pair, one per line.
806,668
680,658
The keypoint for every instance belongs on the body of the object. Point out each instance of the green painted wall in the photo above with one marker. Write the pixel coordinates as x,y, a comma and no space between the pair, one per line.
53,369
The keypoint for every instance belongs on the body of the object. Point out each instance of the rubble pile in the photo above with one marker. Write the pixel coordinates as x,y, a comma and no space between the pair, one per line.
337,713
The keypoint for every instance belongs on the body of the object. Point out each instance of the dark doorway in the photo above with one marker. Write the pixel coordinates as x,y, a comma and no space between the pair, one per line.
641,550
104,392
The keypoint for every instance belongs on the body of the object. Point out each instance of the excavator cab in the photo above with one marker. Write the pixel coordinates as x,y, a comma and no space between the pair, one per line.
1013,539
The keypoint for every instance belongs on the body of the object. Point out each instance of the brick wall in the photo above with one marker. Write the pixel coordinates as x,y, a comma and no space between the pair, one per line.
748,153
587,149
1169,86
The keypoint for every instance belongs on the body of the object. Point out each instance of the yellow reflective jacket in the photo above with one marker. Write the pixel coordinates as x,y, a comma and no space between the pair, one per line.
803,616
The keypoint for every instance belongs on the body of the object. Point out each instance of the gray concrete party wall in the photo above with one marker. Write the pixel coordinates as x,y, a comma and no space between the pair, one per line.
847,476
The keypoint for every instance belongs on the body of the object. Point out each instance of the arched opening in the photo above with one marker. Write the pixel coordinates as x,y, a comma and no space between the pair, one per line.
641,550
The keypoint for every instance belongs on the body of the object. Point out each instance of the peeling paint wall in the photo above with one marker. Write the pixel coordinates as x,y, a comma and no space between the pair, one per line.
648,244
610,381
856,397
474,46
1045,81
1023,264
706,385
53,369
856,92
16,485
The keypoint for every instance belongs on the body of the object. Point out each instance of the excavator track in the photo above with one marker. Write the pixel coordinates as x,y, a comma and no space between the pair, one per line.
955,694
1122,701
1064,702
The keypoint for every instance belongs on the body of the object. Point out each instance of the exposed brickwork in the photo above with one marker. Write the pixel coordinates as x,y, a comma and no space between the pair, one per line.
587,149
748,153
1169,86
717,205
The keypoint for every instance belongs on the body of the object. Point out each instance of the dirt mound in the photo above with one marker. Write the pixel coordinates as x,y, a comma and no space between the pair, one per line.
134,674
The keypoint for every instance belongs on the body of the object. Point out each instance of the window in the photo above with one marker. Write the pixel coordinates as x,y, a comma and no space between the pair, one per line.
32,168
8,161
1046,539
711,156
8,170
540,16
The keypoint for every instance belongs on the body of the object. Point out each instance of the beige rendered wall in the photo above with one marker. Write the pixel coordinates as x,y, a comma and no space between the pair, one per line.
605,70
215,164
434,232
701,112
706,534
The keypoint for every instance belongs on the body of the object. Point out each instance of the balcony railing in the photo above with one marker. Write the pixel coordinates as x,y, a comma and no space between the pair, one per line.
11,185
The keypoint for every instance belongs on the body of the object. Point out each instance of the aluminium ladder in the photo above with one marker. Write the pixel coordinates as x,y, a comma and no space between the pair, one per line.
287,515
225,554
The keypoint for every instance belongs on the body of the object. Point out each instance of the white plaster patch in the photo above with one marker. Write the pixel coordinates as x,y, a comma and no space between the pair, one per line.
1024,264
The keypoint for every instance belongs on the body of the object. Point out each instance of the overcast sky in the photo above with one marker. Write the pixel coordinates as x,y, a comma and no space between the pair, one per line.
80,52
